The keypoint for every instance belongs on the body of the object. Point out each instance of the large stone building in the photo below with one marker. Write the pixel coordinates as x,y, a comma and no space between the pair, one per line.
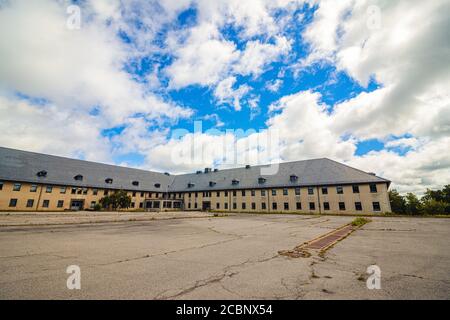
39,182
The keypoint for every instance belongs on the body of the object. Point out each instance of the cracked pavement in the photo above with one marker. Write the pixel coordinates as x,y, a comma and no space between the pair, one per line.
232,257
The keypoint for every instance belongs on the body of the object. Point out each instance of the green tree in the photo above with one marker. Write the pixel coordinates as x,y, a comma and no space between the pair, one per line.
413,204
433,206
117,200
398,202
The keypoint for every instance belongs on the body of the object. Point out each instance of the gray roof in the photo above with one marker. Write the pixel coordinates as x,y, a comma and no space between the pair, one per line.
313,172
16,165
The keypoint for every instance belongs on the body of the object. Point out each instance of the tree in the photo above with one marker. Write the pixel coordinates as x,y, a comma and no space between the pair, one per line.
118,200
433,206
398,202
413,204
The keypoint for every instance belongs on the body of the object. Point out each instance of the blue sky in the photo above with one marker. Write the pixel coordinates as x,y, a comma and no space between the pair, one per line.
124,82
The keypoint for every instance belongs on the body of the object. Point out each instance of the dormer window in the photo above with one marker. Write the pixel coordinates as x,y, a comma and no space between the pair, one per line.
42,174
109,180
293,178
78,177
135,183
167,174
234,181
261,180
157,185
212,183
190,185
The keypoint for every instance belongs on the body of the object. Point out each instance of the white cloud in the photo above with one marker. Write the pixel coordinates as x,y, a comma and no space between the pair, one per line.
225,93
274,85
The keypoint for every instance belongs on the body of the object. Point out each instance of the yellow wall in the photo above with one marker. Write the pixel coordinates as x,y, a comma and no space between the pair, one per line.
348,197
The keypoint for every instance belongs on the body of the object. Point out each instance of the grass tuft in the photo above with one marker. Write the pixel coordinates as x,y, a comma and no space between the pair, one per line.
360,221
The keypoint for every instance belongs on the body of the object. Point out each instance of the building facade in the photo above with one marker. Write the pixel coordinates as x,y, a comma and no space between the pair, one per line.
38,182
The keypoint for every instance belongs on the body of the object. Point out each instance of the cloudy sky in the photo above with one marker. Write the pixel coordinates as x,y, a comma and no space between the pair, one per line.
362,82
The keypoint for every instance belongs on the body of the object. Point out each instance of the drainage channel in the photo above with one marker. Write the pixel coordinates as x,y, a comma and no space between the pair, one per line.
320,243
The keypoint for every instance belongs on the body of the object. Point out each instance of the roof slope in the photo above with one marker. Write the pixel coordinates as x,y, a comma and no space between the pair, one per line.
17,165
23,166
309,172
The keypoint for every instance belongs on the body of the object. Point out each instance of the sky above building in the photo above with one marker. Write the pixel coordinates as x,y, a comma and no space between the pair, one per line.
143,83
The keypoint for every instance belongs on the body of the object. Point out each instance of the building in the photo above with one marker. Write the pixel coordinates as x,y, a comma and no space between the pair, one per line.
39,182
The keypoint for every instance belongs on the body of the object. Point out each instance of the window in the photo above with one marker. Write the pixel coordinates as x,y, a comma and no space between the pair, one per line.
373,188
253,206
141,204
218,194
157,185
12,202
92,204
190,195
94,192
78,177
261,180
286,206
355,188
217,205
134,194
324,190
17,187
196,194
243,193
109,180
33,188
234,193
79,191
132,204
30,203
74,191
263,206
376,206
339,190
243,205
310,190
42,173
298,205
234,205
234,182
189,205
85,190
358,206
226,205
312,206
293,178
62,190
342,206
135,183
106,192
274,205
274,192
49,189
61,204
326,206
253,193
297,191
46,203
1,185
285,192
142,194
226,193
263,193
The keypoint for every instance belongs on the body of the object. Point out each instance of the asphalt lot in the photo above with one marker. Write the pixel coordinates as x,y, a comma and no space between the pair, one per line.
233,257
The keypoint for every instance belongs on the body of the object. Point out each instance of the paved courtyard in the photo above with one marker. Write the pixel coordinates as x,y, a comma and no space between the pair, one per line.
231,257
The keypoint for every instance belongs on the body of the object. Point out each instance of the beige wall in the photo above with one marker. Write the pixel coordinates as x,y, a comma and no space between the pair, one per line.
348,197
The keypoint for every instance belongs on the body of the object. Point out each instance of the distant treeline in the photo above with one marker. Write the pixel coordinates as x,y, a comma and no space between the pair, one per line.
432,202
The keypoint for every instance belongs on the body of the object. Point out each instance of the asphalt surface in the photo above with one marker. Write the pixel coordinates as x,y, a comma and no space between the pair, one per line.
233,257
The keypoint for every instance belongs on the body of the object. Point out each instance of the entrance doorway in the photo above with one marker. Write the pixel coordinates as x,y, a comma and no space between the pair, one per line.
206,205
76,205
